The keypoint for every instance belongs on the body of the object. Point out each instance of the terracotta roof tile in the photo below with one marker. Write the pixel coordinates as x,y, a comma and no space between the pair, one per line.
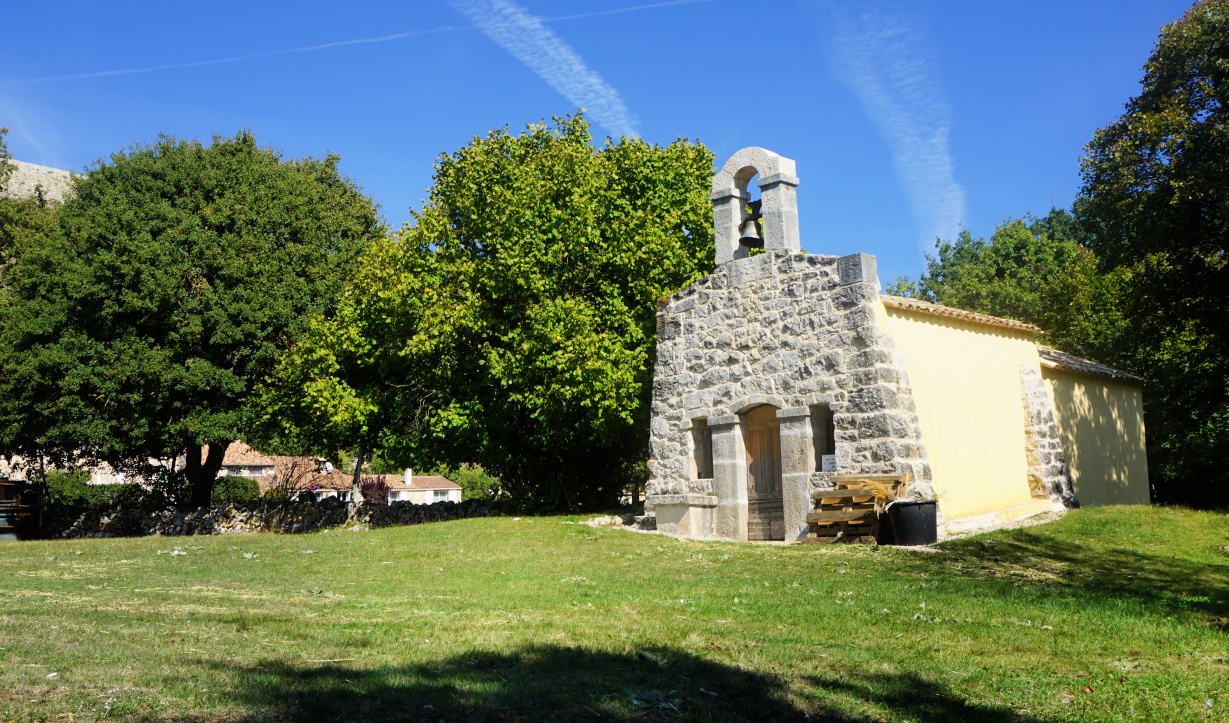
424,482
240,454
926,307
1056,359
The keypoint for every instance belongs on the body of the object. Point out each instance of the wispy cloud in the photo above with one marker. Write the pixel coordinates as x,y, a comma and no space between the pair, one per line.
528,39
513,23
20,115
882,60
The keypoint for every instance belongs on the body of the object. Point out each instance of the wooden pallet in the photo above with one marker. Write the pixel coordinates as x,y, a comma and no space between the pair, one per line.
847,513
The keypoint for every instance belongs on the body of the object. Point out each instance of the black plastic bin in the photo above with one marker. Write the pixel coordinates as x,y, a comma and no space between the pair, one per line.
913,522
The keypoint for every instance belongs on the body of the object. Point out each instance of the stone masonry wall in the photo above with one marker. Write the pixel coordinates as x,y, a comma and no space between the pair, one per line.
1048,472
794,331
235,519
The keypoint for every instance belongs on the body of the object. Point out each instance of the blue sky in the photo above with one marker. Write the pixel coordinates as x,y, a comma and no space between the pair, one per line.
907,120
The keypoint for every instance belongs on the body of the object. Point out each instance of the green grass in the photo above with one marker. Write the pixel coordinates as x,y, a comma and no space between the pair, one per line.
1108,614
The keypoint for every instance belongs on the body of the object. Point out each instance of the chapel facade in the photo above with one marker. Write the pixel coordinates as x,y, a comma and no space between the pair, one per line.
781,369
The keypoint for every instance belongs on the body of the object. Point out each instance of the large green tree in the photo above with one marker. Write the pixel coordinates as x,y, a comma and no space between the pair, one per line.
512,323
1156,201
176,276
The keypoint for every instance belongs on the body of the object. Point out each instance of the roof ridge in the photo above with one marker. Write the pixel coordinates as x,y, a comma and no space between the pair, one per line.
929,307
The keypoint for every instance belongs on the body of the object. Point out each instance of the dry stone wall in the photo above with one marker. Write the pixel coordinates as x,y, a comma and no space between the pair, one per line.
234,519
791,330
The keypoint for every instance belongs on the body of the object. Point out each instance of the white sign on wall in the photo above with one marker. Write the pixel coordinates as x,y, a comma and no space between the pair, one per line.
827,463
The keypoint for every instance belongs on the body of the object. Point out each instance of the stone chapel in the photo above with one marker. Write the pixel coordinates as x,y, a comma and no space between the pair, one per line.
783,368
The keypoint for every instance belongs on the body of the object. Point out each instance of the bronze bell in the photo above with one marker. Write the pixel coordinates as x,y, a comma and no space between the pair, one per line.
752,236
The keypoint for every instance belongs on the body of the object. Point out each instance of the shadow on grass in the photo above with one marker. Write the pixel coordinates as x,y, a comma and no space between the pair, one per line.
565,684
1163,583
909,697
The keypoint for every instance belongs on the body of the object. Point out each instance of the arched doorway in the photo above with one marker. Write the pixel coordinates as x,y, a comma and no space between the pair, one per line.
765,506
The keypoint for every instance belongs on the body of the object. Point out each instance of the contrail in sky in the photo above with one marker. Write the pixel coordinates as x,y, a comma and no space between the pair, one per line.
343,43
880,59
535,45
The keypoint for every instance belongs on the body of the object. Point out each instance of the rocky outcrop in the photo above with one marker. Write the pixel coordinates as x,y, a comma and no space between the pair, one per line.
236,519
28,178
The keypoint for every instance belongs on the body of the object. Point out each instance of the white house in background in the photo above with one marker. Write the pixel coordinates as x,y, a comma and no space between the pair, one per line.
422,490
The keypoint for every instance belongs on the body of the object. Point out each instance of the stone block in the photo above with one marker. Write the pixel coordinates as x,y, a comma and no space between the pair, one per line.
883,424
664,388
690,515
873,399
742,271
885,451
796,499
857,268
794,412
698,399
668,327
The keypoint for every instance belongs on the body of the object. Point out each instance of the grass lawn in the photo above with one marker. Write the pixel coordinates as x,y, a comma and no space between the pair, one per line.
1109,614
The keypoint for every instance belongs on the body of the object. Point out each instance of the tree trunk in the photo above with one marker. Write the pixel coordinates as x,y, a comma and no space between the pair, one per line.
356,495
203,474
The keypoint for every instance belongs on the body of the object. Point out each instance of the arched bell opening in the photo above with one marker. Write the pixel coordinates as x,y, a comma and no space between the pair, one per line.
751,213
765,503
751,228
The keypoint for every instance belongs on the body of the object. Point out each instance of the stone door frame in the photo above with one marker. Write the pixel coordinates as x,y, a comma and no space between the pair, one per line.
730,471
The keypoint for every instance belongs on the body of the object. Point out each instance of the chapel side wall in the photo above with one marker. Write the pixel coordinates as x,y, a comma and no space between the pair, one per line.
966,385
1101,423
786,330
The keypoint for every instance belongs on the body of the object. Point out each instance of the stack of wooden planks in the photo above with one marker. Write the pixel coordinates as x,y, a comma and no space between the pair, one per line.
848,513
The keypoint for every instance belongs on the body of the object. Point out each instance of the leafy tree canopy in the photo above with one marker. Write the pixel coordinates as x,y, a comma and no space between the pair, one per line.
22,220
6,168
1156,201
512,323
175,277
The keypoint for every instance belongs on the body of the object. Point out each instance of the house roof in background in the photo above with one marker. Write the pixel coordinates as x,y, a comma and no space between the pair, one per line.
240,454
424,482
900,302
1055,359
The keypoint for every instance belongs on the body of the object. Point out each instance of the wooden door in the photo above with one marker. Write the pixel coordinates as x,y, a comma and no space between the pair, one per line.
765,508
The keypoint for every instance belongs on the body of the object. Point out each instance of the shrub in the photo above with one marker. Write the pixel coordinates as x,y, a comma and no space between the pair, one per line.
69,489
374,491
476,483
235,490
275,496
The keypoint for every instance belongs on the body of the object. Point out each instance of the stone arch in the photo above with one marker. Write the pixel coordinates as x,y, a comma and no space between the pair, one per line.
746,404
777,192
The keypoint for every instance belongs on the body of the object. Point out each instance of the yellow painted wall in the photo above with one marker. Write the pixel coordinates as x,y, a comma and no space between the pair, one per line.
1101,423
966,384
